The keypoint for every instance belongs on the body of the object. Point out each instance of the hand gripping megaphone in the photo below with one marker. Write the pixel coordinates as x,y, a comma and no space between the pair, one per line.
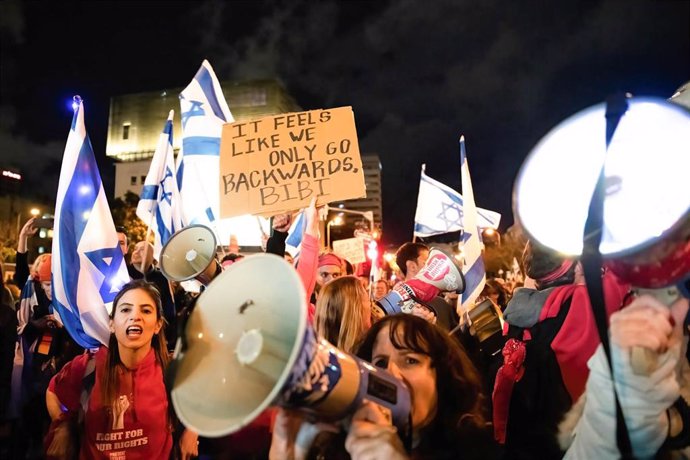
441,273
188,253
247,345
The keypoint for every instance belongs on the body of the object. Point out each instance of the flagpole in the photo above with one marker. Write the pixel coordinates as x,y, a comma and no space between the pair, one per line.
414,234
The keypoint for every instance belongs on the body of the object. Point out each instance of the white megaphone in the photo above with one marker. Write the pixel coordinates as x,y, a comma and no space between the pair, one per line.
188,253
247,345
441,273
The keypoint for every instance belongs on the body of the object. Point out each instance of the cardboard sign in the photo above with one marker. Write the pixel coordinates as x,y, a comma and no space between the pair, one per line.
276,164
351,249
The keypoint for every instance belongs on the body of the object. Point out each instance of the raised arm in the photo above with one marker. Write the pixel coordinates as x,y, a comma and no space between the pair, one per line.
309,255
21,270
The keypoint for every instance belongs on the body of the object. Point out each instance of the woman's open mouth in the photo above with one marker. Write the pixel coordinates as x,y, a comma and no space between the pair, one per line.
134,331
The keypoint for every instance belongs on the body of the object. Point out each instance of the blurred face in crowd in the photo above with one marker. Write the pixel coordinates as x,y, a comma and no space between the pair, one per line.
46,285
415,369
380,289
414,266
328,273
122,242
135,320
142,251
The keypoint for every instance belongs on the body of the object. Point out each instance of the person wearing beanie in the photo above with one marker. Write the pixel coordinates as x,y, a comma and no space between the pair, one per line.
558,306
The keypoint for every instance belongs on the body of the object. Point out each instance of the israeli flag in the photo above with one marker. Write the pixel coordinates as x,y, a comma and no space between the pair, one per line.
440,209
293,242
159,204
473,269
87,264
204,111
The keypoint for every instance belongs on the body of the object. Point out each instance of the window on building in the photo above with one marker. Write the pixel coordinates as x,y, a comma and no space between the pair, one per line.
125,131
133,180
143,179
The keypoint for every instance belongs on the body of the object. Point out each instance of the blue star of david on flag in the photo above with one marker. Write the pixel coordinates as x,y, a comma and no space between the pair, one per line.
165,194
107,261
451,215
195,110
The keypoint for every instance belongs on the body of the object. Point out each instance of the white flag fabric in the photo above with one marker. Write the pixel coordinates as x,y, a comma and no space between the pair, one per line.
159,204
204,111
88,266
440,210
473,269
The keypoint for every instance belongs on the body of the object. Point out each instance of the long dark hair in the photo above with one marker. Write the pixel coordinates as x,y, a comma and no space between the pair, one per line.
114,363
460,414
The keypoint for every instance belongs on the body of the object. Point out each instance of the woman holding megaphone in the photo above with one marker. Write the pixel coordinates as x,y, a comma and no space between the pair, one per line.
448,412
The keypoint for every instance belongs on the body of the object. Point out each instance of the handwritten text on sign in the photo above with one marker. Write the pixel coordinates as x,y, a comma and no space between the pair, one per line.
351,249
276,164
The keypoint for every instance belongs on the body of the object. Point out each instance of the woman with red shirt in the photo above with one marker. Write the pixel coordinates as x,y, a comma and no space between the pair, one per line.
127,413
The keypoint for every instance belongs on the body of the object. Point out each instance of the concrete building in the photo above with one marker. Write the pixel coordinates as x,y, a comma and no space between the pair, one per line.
136,121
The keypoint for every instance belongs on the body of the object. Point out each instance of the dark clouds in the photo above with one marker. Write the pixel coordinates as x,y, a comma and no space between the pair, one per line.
418,73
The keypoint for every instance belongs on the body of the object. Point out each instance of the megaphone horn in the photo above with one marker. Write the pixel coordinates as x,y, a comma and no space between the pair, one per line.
249,346
441,273
188,253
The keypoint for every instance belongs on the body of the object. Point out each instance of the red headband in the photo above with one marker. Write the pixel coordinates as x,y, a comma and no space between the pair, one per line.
557,273
329,259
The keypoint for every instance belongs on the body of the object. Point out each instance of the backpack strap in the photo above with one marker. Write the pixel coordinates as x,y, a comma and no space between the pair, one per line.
87,383
591,259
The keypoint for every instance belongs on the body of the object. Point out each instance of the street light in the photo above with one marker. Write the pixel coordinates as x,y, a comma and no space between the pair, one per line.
492,234
337,221
368,215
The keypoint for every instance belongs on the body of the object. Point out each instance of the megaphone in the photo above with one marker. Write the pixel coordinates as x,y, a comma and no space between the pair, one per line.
645,234
646,204
247,345
441,273
188,253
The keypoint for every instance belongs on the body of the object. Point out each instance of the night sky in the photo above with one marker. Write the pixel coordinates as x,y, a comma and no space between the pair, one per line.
417,73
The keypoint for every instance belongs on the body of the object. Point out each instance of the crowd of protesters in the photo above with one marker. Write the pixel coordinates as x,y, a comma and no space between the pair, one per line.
471,398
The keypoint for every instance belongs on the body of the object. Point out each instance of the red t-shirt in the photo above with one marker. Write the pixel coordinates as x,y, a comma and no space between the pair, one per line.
136,426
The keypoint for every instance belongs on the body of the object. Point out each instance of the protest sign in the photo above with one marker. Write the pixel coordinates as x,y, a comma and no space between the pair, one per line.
351,249
276,164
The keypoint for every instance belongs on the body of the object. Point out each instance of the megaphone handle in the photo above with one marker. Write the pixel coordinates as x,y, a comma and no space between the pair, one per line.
643,360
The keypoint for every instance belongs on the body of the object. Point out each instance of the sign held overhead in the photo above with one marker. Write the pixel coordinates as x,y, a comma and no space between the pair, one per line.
276,164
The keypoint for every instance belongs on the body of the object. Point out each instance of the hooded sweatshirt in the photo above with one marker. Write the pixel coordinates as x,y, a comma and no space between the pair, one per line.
136,426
